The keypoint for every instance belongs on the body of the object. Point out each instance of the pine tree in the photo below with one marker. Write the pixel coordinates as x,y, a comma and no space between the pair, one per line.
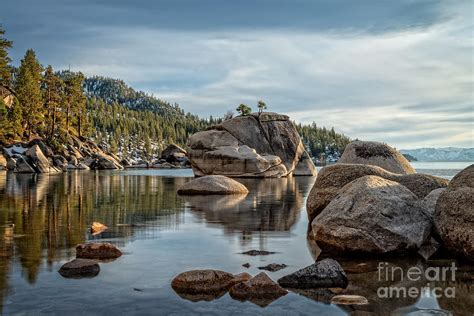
52,96
261,106
75,102
5,74
243,109
28,89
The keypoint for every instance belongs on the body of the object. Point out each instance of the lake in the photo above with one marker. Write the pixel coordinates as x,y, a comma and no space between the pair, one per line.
43,218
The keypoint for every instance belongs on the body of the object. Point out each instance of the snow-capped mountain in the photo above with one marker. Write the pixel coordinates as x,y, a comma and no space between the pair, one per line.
441,154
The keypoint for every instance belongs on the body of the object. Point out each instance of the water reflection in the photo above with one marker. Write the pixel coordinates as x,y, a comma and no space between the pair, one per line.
273,205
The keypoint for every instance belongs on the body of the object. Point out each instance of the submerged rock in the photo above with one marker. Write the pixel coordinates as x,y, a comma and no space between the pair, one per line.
258,253
212,185
241,277
258,145
260,290
202,282
454,215
333,178
246,265
372,215
325,273
377,154
80,268
101,251
272,267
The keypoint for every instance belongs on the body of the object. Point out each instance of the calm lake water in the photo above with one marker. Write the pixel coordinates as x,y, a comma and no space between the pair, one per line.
163,234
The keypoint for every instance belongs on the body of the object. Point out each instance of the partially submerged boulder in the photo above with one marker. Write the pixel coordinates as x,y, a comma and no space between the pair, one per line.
454,214
38,160
326,273
80,268
173,153
202,281
22,165
257,145
101,251
377,154
212,185
260,290
349,300
372,215
305,166
332,178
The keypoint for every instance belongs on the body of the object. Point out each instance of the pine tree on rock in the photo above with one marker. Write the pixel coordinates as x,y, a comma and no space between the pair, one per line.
5,74
28,89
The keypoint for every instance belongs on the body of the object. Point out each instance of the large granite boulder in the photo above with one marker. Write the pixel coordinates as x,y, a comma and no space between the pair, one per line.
332,178
321,274
22,165
257,145
372,215
454,214
377,154
173,153
212,185
38,160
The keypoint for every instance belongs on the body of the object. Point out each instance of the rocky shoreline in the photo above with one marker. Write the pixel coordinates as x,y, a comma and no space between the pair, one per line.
79,154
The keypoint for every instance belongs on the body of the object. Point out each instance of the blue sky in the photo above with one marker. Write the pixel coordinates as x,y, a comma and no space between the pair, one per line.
394,71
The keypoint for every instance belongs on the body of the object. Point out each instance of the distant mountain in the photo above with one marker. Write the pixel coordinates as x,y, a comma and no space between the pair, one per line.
441,154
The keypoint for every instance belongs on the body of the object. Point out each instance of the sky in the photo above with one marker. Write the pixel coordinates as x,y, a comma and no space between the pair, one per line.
400,72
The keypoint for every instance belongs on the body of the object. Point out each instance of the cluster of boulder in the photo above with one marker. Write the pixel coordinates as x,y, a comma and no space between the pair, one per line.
257,145
196,285
37,157
373,202
79,154
172,157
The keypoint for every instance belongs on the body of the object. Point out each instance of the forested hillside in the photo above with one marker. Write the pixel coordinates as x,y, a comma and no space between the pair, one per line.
37,101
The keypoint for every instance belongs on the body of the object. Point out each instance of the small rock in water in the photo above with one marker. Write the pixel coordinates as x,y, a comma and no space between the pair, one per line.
272,267
324,273
349,300
241,277
97,228
260,290
97,251
257,253
202,281
80,268
246,265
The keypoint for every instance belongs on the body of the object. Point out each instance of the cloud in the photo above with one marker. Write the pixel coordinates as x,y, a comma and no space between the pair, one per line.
400,72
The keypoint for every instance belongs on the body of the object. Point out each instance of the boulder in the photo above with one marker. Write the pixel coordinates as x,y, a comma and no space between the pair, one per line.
212,185
11,163
305,166
102,251
73,160
46,150
173,153
80,268
377,154
326,273
257,145
454,215
38,160
372,215
22,166
105,162
260,290
258,253
202,281
429,202
332,178
241,277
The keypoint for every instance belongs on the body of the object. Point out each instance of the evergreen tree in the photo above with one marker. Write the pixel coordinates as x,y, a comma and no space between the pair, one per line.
261,106
52,96
5,74
74,102
28,89
243,109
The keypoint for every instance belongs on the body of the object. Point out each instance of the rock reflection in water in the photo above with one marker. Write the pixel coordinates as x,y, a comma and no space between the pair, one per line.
44,216
272,205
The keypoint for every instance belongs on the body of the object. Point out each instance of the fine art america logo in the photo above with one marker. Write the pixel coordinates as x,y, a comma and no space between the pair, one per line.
390,273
